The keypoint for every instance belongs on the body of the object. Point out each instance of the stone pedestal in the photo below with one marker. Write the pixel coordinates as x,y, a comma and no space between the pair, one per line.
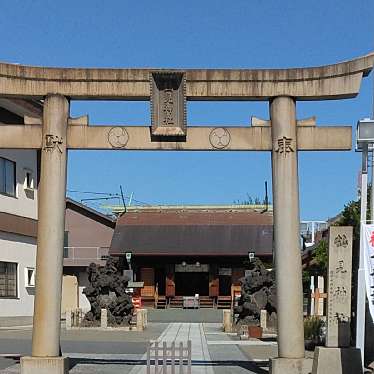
227,320
44,365
140,320
291,366
68,321
263,319
104,319
337,361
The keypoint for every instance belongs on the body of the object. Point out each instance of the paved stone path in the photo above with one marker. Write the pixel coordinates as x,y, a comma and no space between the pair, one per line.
213,352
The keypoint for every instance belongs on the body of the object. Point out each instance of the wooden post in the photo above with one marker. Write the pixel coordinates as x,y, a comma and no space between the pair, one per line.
149,358
312,301
173,357
164,358
181,358
156,357
321,287
316,296
189,352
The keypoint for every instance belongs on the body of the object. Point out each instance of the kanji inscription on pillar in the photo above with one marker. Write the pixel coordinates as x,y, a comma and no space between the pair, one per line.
339,286
284,146
168,103
52,142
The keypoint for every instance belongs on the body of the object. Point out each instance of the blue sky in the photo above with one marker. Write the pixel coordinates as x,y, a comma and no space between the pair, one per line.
206,34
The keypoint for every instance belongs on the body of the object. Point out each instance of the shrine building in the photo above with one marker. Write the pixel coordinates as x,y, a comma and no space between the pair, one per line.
187,250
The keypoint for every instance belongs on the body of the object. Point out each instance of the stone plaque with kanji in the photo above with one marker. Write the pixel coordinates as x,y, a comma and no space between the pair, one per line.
168,103
339,286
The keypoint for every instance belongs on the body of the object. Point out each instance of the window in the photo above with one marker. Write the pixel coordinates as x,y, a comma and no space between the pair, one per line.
7,177
29,277
28,184
8,279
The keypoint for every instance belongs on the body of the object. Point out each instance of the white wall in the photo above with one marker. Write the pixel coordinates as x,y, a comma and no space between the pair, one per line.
18,248
83,282
22,250
22,204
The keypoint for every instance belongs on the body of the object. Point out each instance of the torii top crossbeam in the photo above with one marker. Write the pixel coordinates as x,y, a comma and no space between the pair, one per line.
341,80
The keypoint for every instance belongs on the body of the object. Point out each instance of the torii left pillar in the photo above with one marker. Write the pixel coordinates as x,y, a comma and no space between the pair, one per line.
49,259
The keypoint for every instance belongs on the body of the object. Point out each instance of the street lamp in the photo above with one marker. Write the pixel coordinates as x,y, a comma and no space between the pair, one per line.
364,143
128,256
364,133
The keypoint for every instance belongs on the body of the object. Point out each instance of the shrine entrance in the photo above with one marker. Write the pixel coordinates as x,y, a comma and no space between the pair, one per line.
190,284
225,285
168,90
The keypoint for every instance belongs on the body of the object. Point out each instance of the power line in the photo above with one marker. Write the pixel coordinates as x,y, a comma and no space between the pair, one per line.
114,195
100,198
94,193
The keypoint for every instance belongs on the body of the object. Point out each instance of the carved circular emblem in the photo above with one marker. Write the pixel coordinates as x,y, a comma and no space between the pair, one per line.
118,137
219,138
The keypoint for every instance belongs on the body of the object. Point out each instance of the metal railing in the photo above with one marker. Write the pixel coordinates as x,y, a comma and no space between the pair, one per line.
170,356
86,253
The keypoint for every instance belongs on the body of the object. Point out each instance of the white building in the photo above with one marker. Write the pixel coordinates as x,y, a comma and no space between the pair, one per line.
18,216
309,229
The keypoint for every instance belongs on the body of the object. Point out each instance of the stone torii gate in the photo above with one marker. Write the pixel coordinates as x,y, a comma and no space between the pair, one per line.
168,91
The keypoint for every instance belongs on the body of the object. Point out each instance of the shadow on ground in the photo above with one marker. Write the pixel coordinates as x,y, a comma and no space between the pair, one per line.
250,366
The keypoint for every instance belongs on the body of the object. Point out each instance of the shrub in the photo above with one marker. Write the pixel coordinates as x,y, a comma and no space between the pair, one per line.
313,327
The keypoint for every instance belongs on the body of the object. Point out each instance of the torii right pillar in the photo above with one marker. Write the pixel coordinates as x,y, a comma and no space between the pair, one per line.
286,238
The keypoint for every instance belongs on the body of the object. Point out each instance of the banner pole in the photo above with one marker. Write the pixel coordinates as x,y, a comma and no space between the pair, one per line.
361,286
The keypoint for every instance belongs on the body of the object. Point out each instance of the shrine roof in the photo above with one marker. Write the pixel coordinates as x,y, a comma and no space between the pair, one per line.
194,231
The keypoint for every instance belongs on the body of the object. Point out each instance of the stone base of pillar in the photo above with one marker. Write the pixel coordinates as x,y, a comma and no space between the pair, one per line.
291,366
337,361
44,365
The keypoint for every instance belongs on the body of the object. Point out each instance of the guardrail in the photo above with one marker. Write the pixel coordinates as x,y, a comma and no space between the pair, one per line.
170,356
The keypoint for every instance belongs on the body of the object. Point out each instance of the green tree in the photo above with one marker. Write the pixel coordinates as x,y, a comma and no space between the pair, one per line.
320,256
350,216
